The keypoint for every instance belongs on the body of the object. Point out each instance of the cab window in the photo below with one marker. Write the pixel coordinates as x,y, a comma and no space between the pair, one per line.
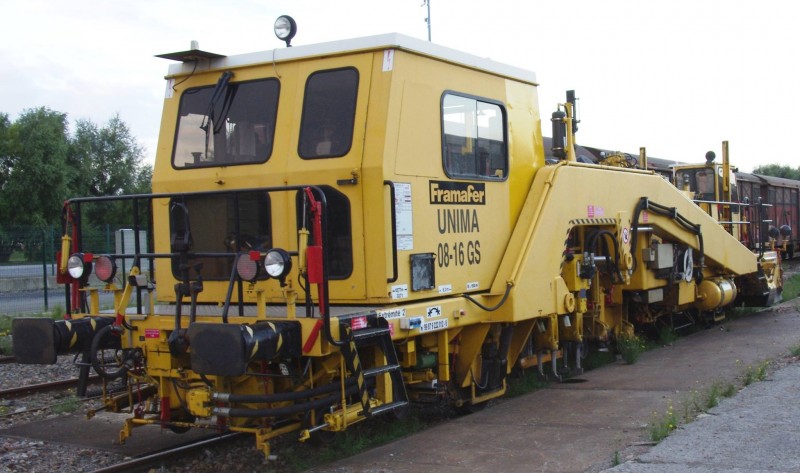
329,110
473,138
700,181
226,124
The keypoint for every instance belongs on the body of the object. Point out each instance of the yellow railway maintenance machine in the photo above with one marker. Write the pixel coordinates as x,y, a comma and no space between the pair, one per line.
713,187
339,229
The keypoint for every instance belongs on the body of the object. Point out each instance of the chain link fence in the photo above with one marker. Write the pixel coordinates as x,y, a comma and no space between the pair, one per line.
28,265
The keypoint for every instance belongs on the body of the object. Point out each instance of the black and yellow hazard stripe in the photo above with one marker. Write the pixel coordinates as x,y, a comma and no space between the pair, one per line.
356,370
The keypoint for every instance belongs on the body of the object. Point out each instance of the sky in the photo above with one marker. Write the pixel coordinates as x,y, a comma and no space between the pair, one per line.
677,77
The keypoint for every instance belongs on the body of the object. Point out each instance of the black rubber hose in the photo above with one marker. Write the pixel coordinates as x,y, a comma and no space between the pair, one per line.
95,347
290,410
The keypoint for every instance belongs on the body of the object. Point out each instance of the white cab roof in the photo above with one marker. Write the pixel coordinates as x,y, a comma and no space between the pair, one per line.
368,43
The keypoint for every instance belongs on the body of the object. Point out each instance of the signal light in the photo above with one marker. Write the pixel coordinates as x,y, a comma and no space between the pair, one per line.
105,268
247,266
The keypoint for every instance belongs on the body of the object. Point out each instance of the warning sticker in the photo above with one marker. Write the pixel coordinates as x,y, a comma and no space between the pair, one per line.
626,235
151,333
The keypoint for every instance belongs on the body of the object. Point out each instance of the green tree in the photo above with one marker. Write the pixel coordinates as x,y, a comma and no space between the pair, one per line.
109,158
5,149
778,170
35,171
109,162
7,243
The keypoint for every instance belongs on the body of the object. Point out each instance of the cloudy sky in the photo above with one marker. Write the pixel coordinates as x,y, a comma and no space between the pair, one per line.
677,76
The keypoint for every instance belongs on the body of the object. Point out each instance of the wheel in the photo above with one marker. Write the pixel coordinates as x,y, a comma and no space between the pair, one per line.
180,429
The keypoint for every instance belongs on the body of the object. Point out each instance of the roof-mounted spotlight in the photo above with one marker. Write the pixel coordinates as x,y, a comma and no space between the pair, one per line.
285,29
710,157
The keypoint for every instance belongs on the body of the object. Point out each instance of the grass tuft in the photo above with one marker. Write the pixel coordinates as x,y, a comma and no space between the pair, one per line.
755,373
67,405
791,288
662,425
630,347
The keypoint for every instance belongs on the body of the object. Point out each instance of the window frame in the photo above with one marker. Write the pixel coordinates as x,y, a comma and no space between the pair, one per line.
271,140
304,117
450,173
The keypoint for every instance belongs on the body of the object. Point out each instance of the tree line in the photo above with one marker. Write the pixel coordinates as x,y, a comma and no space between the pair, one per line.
42,164
778,170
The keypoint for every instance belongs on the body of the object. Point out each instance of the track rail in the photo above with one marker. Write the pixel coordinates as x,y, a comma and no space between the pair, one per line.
152,459
42,387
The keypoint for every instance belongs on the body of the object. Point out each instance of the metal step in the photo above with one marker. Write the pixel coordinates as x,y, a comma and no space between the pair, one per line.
387,407
380,370
371,332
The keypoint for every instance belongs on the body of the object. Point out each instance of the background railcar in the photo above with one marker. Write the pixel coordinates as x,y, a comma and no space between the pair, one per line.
782,197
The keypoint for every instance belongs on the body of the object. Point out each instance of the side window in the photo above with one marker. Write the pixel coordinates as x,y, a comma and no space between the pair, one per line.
339,234
232,123
473,138
329,109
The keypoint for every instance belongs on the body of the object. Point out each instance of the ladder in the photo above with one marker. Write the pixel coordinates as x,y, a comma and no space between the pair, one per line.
375,332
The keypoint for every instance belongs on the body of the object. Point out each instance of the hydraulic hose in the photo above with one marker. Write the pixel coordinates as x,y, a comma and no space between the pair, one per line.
285,411
97,364
671,212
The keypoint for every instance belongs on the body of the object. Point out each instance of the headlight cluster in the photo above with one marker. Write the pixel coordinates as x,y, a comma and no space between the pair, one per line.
79,266
277,263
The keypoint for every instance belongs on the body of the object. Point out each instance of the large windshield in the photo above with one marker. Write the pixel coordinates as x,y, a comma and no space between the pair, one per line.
233,123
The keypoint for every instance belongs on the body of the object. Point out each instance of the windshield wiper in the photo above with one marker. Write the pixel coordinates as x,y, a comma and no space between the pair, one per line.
208,119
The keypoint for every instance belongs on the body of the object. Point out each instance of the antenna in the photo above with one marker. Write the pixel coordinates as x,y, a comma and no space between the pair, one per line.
427,3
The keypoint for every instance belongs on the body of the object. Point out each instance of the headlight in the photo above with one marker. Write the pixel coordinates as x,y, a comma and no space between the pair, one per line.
278,263
79,265
285,29
105,268
247,265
